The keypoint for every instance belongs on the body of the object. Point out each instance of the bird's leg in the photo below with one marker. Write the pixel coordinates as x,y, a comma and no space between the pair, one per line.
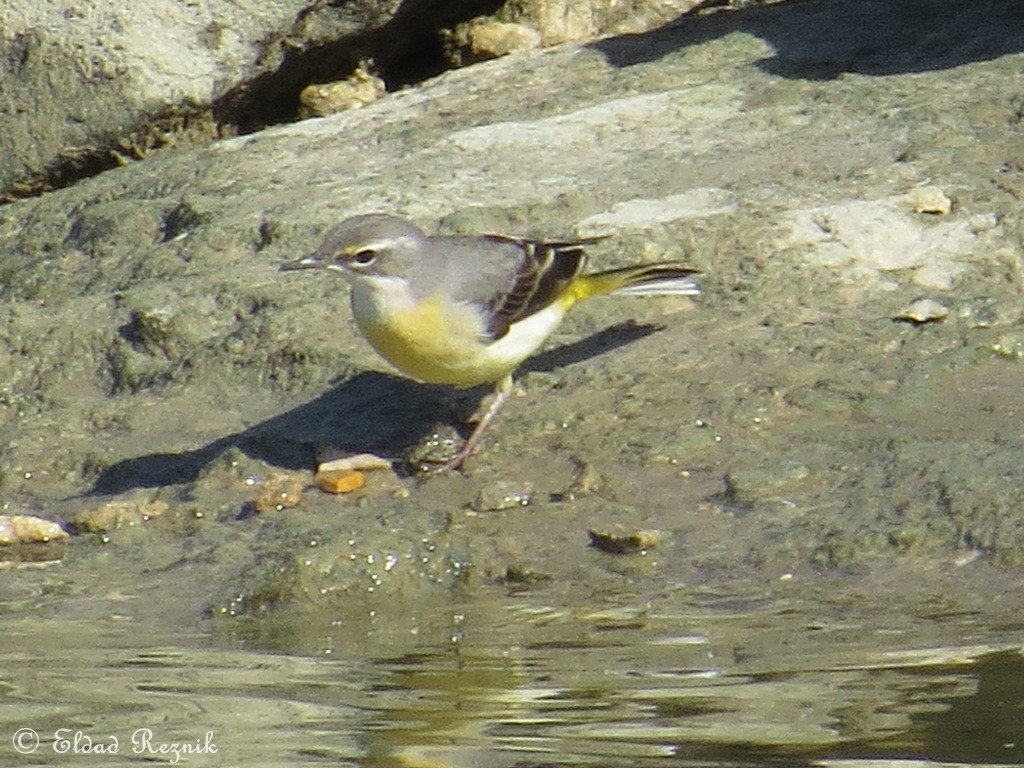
502,390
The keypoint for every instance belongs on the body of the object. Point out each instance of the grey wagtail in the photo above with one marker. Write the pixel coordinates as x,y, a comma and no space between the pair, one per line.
468,310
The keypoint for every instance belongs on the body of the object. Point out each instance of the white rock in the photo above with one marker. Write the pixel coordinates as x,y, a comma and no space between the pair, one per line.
700,108
878,235
644,212
923,311
28,529
930,199
939,276
983,222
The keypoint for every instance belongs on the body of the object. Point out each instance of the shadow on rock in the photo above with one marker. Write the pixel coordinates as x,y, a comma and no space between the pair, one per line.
370,413
821,39
406,49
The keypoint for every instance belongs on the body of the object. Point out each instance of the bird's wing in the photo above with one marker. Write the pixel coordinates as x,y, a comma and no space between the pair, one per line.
508,278
542,275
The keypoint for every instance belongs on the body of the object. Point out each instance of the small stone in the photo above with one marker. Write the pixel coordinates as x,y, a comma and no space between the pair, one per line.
500,495
488,38
930,199
357,90
155,331
620,542
435,450
362,462
585,481
277,492
112,515
521,574
923,311
938,276
339,480
28,529
1009,347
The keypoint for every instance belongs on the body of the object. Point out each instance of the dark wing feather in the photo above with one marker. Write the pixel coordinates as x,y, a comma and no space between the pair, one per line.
544,271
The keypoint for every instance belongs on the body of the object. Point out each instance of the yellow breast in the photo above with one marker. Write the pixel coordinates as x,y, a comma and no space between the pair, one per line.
432,340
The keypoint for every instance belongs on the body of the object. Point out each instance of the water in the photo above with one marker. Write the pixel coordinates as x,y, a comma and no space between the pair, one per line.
748,676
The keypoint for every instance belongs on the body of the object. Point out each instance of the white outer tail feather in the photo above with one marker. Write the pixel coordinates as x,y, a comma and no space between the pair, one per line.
670,286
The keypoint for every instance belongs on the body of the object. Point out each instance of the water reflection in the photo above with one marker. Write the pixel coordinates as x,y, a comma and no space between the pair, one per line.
510,682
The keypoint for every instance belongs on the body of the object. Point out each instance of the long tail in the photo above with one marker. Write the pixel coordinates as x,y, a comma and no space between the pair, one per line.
640,280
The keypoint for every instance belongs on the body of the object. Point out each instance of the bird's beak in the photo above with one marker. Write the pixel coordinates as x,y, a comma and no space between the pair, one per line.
306,262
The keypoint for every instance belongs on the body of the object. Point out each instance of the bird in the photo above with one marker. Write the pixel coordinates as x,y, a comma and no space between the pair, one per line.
467,310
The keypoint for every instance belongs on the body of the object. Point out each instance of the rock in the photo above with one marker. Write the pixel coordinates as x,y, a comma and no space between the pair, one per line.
643,214
95,87
339,481
586,480
29,529
361,462
939,276
930,199
112,515
502,494
621,542
81,84
434,449
357,90
486,38
878,236
923,311
562,21
276,492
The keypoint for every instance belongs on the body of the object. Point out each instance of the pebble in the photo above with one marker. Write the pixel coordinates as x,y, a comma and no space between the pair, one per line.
620,542
112,515
939,276
339,480
930,199
361,462
489,39
358,90
923,311
28,529
503,494
278,492
435,449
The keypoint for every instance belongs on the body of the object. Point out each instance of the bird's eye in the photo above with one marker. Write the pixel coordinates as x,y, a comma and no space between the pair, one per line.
364,258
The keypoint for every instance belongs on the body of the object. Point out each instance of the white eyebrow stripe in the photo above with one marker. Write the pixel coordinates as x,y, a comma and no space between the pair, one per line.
402,241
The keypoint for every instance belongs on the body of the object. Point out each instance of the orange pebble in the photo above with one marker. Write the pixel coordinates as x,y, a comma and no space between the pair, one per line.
340,480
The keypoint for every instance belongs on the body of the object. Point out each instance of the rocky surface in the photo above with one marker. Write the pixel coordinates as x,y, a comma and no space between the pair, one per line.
80,86
152,353
87,88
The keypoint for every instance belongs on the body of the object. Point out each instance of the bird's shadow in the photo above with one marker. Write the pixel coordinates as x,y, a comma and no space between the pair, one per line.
369,413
